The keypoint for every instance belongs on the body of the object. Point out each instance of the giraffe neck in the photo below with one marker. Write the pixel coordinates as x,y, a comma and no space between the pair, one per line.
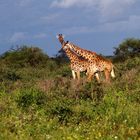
72,56
84,53
62,42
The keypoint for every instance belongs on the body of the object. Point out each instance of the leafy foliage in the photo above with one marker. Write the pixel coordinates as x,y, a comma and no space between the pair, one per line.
39,100
128,48
27,98
25,56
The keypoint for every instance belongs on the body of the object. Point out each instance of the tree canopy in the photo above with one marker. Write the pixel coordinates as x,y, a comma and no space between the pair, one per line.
24,56
128,48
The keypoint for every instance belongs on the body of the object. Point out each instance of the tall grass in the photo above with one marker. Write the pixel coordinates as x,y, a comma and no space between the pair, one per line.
44,103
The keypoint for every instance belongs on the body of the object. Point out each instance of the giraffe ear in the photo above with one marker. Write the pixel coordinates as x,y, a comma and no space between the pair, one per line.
63,36
57,36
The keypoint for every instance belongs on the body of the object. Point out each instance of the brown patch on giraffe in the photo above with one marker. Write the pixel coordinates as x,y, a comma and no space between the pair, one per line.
77,64
102,63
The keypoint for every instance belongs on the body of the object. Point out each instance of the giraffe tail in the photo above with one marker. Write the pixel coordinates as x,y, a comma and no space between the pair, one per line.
112,72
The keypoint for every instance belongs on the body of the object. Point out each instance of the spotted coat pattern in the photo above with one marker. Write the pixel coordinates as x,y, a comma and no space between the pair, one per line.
77,64
102,63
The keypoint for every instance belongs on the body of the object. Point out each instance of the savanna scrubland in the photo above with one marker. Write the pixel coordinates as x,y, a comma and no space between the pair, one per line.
40,100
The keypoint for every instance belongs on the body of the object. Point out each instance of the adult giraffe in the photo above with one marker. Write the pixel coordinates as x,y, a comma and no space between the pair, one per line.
102,63
77,64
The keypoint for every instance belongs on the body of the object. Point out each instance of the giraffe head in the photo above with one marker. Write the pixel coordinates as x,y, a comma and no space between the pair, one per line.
60,38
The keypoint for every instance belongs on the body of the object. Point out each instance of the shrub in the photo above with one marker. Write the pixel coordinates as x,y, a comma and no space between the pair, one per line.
61,109
30,97
12,75
24,56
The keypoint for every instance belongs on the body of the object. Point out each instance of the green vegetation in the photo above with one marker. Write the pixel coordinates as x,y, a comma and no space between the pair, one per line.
40,101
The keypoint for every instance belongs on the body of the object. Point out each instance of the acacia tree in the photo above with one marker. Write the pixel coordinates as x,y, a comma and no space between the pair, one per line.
25,56
128,48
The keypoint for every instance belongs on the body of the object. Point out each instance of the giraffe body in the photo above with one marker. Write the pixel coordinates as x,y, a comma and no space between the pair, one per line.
101,63
78,64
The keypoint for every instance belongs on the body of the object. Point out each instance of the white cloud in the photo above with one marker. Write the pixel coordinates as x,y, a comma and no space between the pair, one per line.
71,3
25,2
76,30
17,36
40,36
105,4
107,9
112,8
50,18
129,25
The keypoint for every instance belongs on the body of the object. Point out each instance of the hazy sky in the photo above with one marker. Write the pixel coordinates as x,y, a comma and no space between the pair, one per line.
96,25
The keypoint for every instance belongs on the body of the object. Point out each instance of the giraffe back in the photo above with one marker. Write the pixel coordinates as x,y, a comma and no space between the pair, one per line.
94,59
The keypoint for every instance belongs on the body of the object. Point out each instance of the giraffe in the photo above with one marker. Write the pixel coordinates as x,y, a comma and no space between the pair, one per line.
77,64
102,63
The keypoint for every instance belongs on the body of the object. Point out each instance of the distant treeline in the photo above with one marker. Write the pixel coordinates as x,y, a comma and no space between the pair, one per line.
23,56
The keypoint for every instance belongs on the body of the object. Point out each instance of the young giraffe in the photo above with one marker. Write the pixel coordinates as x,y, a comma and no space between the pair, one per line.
77,64
103,64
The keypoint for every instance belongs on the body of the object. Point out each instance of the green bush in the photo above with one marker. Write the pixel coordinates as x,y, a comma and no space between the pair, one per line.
44,102
27,98
24,56
129,48
61,110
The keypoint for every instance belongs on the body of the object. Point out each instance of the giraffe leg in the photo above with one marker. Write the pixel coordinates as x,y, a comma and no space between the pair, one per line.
89,78
78,75
97,77
107,76
73,74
